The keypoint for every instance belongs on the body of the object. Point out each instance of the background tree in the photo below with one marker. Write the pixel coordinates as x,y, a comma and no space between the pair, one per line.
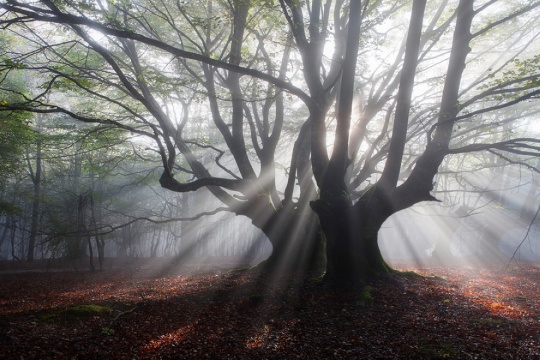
15,130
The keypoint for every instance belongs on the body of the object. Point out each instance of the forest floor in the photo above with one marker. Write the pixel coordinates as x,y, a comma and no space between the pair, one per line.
463,313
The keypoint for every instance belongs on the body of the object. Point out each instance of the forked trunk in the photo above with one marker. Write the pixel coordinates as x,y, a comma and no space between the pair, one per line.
295,235
351,234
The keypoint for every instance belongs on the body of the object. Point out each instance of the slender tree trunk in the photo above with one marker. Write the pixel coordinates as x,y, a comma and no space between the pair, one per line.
90,252
156,239
36,201
13,234
82,230
3,237
99,241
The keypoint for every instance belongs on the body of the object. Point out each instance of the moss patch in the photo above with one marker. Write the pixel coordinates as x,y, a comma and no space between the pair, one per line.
75,313
436,350
489,321
256,299
365,297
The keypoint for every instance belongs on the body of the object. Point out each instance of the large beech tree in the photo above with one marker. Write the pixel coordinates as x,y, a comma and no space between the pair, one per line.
363,140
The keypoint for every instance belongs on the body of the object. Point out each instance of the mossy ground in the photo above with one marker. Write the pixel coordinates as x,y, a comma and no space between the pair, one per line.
75,313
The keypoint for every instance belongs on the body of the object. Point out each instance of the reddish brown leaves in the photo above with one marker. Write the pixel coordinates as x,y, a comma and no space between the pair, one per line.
473,313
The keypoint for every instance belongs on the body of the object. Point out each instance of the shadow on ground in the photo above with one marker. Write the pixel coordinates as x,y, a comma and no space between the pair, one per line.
224,314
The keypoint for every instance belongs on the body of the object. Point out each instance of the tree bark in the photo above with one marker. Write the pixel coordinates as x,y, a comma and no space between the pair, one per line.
351,231
294,233
100,243
351,234
420,182
36,201
392,167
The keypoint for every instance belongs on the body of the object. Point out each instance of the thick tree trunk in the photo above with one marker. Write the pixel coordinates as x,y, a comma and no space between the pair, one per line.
343,257
351,235
297,246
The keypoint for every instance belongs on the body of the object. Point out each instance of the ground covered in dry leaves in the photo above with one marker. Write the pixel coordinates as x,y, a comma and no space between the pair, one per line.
467,313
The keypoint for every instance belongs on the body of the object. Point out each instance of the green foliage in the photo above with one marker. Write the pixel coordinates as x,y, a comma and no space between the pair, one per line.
15,127
264,3
8,63
7,208
15,134
107,331
521,77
